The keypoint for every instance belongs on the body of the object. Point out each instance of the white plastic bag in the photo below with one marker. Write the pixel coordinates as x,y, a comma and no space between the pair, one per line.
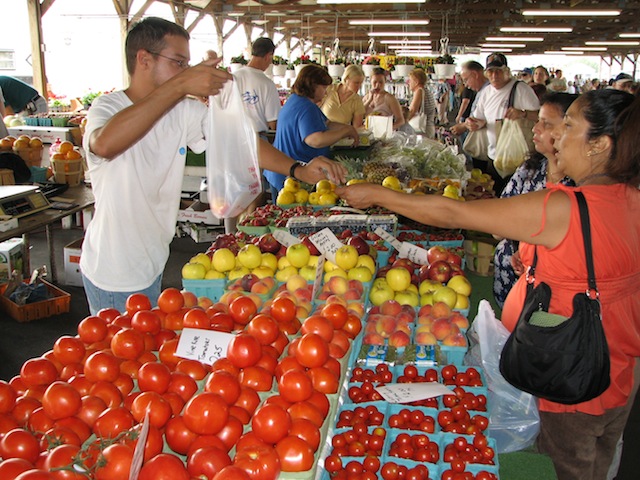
514,418
511,149
233,172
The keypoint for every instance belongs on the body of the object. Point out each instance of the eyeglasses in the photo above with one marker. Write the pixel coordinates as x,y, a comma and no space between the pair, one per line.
181,63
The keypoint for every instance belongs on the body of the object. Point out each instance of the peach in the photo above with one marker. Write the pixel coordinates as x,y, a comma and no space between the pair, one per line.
204,302
229,297
390,307
460,320
302,312
406,316
403,327
386,326
323,295
455,340
303,294
425,338
190,300
260,287
370,327
374,310
441,328
338,285
357,285
352,294
295,282
425,310
399,339
336,299
357,308
440,309
426,320
373,339
256,299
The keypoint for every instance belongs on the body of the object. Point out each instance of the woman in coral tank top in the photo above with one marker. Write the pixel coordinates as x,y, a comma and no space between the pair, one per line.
599,147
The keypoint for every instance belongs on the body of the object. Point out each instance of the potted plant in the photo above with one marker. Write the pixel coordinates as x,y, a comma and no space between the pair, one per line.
404,66
279,65
369,64
237,63
336,66
445,66
300,62
88,99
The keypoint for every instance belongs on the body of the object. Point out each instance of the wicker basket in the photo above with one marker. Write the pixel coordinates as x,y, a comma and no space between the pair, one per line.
68,171
31,156
479,258
58,303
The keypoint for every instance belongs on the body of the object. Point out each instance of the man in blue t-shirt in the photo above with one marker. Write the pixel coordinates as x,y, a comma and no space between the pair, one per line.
19,97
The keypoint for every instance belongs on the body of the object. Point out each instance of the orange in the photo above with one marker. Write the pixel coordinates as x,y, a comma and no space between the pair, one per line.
6,144
73,155
20,144
26,138
59,156
35,142
65,147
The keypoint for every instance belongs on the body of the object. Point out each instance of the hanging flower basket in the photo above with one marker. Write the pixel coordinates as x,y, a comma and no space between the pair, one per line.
444,70
298,68
368,69
335,70
404,70
279,70
234,67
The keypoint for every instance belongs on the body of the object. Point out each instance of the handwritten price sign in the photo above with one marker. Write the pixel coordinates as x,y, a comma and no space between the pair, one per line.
328,244
412,392
414,253
205,346
387,237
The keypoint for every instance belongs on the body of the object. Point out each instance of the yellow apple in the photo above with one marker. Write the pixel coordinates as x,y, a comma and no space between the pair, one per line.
250,256
286,273
398,278
428,286
338,272
269,260
223,260
294,282
308,272
446,295
298,255
213,274
313,261
346,257
193,271
460,284
426,299
324,186
238,272
407,297
360,273
263,272
202,258
302,196
285,198
291,185
329,265
462,302
366,261
283,262
380,293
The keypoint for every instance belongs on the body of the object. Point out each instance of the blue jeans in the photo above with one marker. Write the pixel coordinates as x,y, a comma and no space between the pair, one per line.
99,299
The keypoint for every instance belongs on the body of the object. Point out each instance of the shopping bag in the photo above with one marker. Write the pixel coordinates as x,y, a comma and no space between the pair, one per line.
381,126
511,148
476,145
514,417
233,172
419,122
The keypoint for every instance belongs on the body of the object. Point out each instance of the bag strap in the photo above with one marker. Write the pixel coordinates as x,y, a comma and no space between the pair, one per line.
512,94
588,249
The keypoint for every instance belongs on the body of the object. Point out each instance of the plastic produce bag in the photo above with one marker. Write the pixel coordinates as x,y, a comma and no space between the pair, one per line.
511,148
233,172
514,418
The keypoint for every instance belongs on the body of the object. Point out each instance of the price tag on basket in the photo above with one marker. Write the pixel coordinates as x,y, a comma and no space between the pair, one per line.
285,238
412,392
387,237
205,346
414,253
328,244
319,274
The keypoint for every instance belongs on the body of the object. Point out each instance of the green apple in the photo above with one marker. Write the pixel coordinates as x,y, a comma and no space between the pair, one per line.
223,260
367,261
202,258
407,297
338,272
346,257
460,284
360,273
269,260
250,256
193,271
380,293
446,295
308,272
398,278
298,255
428,286
238,272
426,299
284,274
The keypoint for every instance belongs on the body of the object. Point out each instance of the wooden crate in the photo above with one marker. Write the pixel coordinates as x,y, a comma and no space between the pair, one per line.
58,303
31,156
479,259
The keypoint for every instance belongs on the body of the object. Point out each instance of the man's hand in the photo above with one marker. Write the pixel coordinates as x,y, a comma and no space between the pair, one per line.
515,114
458,129
474,124
204,79
516,263
321,168
361,195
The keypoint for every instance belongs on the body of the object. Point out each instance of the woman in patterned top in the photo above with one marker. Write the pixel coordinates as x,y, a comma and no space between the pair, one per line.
532,175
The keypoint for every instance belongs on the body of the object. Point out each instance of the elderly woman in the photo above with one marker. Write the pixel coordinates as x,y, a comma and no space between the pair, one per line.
380,102
342,103
598,147
303,130
422,111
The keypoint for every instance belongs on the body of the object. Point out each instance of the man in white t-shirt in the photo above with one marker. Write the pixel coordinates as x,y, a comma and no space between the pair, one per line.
136,142
259,93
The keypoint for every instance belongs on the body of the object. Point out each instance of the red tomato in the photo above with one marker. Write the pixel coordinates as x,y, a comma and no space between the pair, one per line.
174,320
264,328
107,392
178,436
283,310
244,350
193,368
153,404
207,462
196,318
319,325
286,364
154,377
225,364
352,326
183,385
220,321
242,309
146,322
206,413
206,441
248,399
224,384
295,386
59,436
153,445
137,302
257,378
312,350
333,366
231,432
127,343
240,413
113,421
92,329
295,454
8,397
35,475
92,407
101,366
271,423
232,472
268,362
320,401
61,400
117,462
167,353
7,423
12,467
307,431
336,313
108,314
80,428
261,462
19,443
280,343
306,410
59,463
323,380
341,340
38,371
68,350
39,421
170,300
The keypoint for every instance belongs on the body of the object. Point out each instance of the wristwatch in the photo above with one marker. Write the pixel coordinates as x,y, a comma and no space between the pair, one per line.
292,170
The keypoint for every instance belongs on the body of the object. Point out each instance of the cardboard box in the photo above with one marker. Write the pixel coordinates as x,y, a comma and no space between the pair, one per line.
11,258
197,212
72,263
200,232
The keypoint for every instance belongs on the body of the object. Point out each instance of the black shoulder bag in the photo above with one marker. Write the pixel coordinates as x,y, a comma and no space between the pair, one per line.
565,360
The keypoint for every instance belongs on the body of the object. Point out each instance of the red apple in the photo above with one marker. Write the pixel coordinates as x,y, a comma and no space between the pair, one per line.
405,263
268,244
456,270
313,250
437,253
361,245
247,281
423,273
440,271
382,271
454,259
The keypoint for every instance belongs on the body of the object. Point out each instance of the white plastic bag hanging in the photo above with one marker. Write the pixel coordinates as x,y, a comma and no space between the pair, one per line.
233,172
511,148
514,417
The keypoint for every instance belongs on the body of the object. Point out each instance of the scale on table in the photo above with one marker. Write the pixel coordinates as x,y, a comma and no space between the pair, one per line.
21,200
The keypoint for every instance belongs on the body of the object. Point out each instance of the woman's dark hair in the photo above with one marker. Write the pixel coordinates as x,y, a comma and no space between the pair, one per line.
616,113
309,78
379,71
545,71
148,34
562,101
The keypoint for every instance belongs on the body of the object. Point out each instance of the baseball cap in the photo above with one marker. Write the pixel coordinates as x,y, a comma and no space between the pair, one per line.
496,60
527,71
624,77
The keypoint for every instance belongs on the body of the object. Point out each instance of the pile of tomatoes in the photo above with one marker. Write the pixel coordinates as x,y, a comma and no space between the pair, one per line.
79,411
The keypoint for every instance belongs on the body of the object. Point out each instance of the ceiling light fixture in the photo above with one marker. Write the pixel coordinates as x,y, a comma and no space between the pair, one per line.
407,42
413,53
500,45
536,29
365,2
585,49
570,13
388,22
514,39
616,44
399,34
629,35
491,50
563,52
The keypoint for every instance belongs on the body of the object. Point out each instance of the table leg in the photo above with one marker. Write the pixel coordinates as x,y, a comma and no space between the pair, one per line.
26,262
52,256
